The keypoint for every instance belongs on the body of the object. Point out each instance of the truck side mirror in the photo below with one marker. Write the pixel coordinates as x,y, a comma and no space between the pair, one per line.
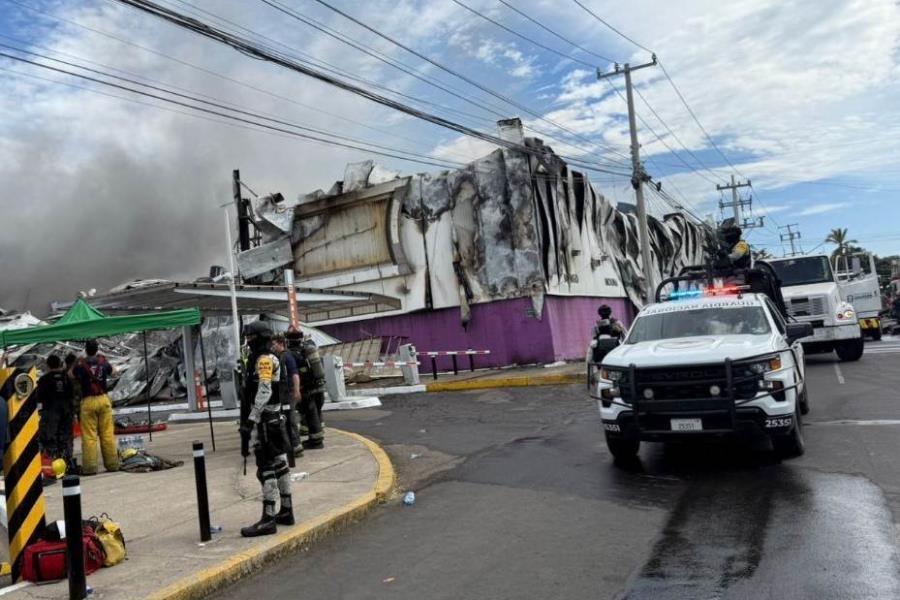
798,331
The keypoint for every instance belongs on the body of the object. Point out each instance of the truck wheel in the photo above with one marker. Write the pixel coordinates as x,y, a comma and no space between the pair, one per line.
876,334
623,448
850,350
792,444
804,402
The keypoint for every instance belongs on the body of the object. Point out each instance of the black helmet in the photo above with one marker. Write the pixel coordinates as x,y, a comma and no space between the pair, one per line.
604,311
729,231
258,329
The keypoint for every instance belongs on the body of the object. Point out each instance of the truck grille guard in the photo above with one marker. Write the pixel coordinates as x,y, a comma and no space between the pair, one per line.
728,396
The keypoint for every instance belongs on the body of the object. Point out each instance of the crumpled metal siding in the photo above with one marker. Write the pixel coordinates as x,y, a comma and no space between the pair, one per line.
514,224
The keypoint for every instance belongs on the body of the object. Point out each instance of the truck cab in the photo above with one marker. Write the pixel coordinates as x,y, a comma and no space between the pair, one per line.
813,295
711,363
858,279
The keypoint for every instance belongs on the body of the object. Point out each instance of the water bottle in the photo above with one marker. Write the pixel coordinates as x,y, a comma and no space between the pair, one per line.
409,498
137,442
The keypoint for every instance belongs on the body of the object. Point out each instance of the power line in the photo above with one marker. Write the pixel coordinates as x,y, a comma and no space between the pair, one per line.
677,139
411,71
547,29
456,74
524,37
596,16
246,47
425,160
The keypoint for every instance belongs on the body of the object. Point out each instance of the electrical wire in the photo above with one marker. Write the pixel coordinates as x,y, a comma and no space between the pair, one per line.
247,47
443,164
493,109
524,37
547,29
456,74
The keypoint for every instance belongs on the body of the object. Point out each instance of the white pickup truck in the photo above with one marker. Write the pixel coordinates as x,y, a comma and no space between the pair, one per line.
705,366
812,295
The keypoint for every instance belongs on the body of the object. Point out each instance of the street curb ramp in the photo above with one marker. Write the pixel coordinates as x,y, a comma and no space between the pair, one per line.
244,564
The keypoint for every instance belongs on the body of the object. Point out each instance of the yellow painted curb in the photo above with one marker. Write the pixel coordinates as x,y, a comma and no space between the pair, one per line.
244,564
500,382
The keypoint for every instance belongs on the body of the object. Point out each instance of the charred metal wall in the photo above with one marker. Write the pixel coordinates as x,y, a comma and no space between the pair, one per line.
510,225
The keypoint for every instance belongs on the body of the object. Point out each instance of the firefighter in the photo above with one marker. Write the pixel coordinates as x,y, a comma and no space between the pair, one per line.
92,371
737,249
312,382
264,429
56,396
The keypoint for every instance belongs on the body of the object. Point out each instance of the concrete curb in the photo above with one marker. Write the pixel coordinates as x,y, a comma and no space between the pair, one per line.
244,564
501,382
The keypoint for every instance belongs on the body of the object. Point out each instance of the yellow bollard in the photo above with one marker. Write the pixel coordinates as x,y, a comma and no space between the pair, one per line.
25,506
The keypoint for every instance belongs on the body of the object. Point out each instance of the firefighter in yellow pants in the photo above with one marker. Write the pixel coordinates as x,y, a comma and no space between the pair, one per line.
96,411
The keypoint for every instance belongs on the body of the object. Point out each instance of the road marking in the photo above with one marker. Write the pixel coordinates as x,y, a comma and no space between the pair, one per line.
861,422
837,371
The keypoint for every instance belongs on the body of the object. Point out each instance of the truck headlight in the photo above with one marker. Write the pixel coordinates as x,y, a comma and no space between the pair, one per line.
611,375
766,365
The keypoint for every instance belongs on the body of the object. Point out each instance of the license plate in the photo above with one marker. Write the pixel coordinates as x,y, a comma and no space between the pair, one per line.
687,424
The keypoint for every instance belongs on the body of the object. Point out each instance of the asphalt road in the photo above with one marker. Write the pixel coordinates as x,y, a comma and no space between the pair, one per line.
517,497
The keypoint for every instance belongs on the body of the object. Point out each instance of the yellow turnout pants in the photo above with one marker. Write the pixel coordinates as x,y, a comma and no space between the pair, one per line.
97,427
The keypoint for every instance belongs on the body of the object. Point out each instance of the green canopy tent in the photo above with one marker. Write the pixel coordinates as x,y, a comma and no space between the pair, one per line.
82,321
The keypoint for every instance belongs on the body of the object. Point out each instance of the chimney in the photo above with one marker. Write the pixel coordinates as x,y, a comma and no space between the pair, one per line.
511,130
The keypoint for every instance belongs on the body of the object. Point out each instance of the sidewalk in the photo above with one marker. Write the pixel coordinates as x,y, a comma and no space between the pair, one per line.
568,373
158,513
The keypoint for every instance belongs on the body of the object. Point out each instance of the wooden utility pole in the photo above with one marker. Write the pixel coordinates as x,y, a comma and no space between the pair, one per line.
638,176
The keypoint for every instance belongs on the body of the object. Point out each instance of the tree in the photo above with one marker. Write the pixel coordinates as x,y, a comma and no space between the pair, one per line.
839,236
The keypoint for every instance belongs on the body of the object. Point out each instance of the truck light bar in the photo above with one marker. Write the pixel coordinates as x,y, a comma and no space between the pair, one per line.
728,290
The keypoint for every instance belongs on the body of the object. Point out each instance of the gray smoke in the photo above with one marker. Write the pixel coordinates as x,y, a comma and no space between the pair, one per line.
98,191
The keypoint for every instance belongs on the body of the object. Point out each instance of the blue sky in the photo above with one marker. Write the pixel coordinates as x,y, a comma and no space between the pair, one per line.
800,97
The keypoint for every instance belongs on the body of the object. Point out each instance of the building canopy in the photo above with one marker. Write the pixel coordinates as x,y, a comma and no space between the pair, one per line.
82,321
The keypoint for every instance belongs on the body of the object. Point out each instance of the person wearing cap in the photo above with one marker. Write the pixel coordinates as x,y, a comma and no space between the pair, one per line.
265,430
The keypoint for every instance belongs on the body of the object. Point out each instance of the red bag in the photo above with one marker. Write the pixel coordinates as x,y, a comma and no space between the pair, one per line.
45,560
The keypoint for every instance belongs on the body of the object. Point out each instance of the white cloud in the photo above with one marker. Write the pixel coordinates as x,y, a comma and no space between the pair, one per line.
818,209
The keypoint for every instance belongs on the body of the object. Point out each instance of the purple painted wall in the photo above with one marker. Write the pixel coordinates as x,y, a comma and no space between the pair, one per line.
505,327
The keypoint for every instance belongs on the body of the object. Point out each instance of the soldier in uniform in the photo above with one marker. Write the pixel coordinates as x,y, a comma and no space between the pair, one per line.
264,428
312,382
737,249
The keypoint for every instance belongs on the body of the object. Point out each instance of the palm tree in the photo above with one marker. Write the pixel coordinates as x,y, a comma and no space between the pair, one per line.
839,236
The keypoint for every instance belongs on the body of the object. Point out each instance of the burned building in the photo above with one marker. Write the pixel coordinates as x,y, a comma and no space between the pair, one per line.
512,253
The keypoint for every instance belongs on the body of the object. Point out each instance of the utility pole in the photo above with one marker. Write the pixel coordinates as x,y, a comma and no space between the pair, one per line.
736,202
638,176
790,236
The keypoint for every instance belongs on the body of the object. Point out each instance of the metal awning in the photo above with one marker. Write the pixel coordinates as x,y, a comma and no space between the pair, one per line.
214,299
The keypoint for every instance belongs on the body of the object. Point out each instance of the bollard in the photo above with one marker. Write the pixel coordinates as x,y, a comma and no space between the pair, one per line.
471,361
434,367
202,496
71,492
455,366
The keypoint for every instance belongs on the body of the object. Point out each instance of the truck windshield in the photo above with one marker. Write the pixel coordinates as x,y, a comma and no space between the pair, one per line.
803,271
740,320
